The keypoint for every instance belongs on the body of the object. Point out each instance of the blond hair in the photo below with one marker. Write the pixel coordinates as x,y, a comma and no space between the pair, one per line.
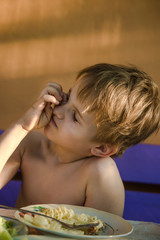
125,102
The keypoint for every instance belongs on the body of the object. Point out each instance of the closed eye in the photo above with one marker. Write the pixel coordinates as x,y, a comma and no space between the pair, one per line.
74,117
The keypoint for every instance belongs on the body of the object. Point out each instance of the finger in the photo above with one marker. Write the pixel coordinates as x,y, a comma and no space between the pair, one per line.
55,93
51,91
40,104
57,86
48,111
50,99
45,116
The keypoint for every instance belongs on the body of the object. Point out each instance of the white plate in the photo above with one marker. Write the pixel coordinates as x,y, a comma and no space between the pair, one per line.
38,237
119,227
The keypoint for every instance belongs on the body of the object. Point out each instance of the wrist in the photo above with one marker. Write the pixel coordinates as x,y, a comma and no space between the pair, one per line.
20,126
26,124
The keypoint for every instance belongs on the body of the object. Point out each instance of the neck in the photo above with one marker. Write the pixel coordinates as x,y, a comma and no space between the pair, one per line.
64,156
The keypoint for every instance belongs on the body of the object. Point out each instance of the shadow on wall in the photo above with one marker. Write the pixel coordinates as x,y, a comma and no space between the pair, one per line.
45,40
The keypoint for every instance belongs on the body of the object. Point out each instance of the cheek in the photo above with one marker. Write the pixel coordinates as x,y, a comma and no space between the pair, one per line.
67,133
72,133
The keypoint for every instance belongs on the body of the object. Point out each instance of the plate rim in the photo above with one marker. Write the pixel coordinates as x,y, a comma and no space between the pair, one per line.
52,232
39,237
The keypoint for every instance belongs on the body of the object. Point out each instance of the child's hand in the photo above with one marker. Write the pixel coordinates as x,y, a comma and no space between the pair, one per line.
40,113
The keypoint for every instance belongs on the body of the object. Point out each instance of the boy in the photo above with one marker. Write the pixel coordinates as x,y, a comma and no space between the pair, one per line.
109,109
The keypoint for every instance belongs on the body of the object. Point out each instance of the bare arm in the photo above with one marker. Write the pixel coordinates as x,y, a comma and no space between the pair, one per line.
105,189
9,141
9,157
37,116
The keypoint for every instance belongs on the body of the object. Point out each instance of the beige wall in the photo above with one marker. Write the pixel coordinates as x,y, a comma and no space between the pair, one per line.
43,40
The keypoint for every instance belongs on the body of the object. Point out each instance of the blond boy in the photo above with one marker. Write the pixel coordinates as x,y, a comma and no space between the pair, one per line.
109,108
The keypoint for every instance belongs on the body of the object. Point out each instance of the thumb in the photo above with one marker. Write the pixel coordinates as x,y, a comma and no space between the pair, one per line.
49,111
45,116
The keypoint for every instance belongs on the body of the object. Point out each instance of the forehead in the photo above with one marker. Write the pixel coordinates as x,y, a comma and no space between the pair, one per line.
83,92
82,105
74,98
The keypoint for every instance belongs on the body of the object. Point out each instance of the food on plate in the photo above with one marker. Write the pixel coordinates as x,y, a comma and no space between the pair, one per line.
7,231
66,215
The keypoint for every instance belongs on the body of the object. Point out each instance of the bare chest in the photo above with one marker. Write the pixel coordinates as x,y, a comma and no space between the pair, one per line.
43,183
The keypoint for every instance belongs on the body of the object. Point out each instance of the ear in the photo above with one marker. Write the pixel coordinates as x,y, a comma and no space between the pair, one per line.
104,150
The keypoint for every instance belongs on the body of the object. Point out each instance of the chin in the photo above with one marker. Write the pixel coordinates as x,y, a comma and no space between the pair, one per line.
48,133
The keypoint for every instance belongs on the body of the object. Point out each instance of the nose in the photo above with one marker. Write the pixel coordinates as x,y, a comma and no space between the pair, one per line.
59,111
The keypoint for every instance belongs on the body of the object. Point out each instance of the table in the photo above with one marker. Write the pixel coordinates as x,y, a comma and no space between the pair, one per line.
144,230
141,230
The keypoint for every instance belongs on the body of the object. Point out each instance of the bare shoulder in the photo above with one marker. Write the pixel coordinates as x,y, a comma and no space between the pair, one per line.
103,168
105,190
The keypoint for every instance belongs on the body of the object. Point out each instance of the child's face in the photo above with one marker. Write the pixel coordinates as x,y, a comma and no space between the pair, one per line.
72,127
